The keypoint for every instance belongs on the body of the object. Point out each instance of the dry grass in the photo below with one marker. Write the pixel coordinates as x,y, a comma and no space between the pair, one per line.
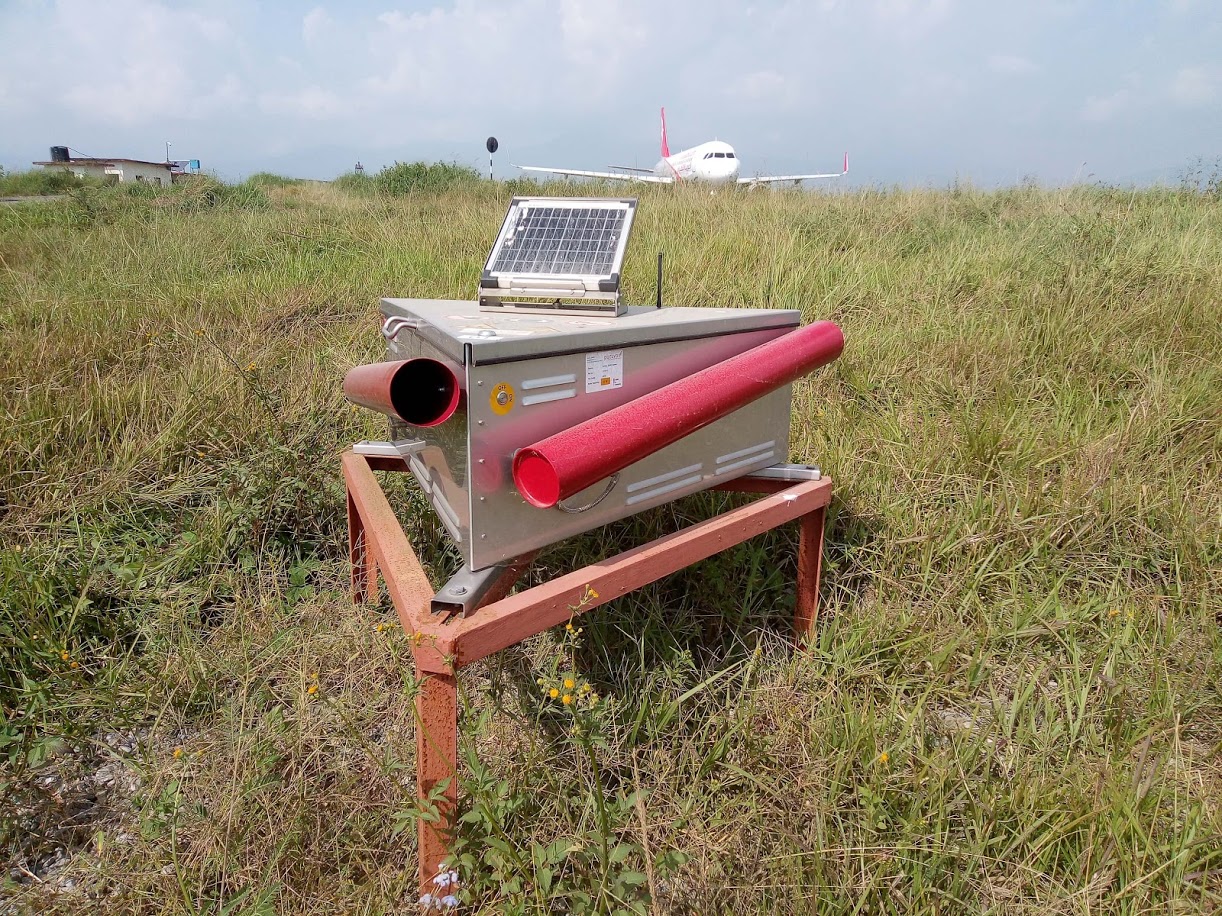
1021,587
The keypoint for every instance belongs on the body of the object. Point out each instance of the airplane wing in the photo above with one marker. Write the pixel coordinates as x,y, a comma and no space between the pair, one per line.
765,179
580,173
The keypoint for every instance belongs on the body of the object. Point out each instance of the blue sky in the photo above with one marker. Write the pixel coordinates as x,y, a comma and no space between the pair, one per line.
919,91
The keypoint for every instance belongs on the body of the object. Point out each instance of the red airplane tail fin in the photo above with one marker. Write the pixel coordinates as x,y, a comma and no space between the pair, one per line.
665,146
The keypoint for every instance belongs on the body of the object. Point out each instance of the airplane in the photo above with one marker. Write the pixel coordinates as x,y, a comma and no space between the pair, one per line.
714,163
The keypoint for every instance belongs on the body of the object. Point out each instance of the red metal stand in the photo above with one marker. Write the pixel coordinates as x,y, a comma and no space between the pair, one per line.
442,645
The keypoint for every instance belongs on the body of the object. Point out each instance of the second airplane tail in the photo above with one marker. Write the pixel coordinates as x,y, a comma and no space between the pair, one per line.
665,146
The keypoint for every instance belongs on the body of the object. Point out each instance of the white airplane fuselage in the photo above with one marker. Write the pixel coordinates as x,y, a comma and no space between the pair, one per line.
714,162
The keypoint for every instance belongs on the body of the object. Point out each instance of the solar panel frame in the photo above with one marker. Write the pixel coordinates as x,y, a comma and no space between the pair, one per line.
561,241
574,243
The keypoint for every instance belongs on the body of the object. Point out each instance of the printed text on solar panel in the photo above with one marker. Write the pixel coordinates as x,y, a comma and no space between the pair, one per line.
561,240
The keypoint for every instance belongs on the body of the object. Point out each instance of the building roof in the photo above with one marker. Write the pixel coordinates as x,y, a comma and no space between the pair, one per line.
106,162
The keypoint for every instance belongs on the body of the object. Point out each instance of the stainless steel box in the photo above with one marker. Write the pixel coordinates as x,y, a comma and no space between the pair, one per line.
526,377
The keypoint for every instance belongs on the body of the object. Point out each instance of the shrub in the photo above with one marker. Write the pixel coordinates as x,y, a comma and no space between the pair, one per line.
267,180
42,181
355,183
207,193
406,177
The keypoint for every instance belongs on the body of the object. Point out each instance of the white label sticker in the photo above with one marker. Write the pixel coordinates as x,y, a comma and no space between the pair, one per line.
604,370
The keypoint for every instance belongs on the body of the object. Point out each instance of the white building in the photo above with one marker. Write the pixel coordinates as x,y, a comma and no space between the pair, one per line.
157,173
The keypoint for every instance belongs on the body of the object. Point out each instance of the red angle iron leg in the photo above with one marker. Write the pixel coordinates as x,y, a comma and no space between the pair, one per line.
364,567
810,565
377,544
436,768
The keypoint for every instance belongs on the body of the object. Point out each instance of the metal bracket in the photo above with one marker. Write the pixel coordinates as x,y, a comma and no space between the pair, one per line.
788,472
466,588
399,448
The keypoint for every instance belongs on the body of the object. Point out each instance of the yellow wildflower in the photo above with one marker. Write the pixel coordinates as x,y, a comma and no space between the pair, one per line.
312,689
566,699
569,626
75,665
569,684
178,752
884,757
553,693
64,655
1114,612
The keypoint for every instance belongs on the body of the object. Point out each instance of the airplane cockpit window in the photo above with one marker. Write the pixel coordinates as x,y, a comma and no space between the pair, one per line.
720,155
729,155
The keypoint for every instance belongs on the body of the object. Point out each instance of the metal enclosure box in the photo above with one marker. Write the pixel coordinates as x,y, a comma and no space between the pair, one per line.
526,377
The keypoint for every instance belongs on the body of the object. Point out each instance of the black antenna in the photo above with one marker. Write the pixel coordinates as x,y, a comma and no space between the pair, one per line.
659,279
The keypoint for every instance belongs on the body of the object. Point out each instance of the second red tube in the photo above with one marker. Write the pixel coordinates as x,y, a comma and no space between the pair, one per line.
563,464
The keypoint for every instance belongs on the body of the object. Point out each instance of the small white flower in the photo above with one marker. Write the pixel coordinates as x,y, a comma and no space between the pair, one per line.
449,902
453,877
427,901
442,880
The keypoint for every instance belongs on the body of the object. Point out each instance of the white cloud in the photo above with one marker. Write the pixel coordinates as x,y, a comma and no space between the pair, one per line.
1194,87
767,92
574,81
911,15
524,57
316,25
1011,64
762,85
128,62
312,102
1105,108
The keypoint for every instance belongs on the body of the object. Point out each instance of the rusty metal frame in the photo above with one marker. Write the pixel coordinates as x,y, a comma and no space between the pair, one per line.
442,645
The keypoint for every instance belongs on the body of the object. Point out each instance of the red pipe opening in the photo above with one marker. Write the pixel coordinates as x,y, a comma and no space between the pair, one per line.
422,392
536,478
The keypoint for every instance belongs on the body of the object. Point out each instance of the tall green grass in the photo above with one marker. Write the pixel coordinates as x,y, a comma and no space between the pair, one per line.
41,182
1013,703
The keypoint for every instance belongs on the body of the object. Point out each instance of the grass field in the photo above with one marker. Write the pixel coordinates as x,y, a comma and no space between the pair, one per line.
1013,705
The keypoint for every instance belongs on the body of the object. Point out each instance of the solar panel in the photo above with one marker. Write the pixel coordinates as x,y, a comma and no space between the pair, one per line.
562,240
554,251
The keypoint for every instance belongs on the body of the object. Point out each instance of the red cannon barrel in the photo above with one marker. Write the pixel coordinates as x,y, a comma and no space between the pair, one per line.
566,463
422,392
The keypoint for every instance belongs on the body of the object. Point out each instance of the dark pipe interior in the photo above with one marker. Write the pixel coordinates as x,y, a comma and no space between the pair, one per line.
424,392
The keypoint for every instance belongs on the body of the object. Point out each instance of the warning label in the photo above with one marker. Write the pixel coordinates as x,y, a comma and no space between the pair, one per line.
604,370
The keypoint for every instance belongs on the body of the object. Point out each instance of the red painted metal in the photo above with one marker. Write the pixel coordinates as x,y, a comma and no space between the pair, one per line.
509,621
810,565
422,391
436,770
379,547
566,463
